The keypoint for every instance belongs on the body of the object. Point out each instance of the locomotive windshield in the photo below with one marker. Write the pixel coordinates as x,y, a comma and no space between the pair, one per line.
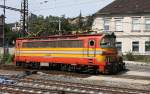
107,42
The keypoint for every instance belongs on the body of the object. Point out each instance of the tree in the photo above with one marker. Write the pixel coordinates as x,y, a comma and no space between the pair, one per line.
49,25
10,36
87,23
80,22
46,26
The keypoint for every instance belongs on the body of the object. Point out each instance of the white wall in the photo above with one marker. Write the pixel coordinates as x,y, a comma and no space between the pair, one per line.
98,24
127,36
11,50
127,44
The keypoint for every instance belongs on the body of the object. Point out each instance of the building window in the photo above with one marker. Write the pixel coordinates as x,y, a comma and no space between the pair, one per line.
135,46
106,24
118,25
119,46
147,23
135,24
147,46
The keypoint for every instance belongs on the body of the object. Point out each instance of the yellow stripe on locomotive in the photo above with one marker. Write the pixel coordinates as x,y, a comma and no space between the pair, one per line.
96,50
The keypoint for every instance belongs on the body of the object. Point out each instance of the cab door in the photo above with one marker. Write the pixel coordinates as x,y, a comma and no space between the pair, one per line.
91,48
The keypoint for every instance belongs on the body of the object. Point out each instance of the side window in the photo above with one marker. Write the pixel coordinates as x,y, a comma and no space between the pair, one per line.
119,46
136,24
147,46
107,42
91,43
18,45
135,46
107,24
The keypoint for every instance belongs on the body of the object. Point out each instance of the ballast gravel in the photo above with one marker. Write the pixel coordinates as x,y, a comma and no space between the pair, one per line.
134,69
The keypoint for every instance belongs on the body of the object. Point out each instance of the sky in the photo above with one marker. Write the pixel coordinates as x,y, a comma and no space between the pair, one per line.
69,8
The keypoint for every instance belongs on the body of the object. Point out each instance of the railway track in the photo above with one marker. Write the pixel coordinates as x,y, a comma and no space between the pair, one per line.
31,85
15,89
84,75
131,77
18,89
39,86
76,88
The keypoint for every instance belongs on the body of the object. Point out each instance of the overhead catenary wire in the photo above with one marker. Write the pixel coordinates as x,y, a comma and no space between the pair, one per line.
64,6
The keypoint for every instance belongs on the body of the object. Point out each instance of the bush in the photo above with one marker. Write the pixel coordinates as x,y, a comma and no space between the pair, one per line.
8,58
129,56
1,56
142,58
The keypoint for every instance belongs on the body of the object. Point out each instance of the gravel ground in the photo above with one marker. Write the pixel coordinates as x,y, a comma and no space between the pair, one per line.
10,73
105,82
134,69
137,66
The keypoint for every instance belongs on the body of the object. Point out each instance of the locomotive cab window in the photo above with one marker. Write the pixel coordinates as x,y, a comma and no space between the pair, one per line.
107,42
54,44
91,43
17,45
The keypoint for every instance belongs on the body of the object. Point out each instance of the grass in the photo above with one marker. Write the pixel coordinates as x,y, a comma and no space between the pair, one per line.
8,58
139,58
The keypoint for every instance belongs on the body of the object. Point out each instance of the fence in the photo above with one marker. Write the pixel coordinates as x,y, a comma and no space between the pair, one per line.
11,50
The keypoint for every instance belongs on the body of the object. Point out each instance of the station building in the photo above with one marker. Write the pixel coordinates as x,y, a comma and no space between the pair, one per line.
130,21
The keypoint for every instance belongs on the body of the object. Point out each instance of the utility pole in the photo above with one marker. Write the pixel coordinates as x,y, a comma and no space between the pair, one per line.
4,50
24,17
60,32
59,25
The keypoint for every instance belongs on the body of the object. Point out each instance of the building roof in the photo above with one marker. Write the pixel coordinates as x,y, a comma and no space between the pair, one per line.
126,7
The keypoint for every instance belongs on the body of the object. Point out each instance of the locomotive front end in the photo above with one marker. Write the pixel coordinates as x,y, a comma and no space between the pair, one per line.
112,61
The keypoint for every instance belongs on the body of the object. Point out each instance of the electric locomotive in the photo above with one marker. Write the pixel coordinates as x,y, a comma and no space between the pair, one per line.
85,52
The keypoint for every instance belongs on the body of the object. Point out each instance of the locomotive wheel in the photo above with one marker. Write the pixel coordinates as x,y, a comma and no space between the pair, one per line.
95,70
58,67
123,67
35,65
54,66
27,65
70,68
107,71
115,68
23,64
50,66
63,67
18,63
91,71
78,69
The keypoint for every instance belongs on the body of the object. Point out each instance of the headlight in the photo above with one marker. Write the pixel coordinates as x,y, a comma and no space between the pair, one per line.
108,59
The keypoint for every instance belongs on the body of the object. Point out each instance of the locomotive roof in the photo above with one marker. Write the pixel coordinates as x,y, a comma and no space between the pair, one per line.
69,36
